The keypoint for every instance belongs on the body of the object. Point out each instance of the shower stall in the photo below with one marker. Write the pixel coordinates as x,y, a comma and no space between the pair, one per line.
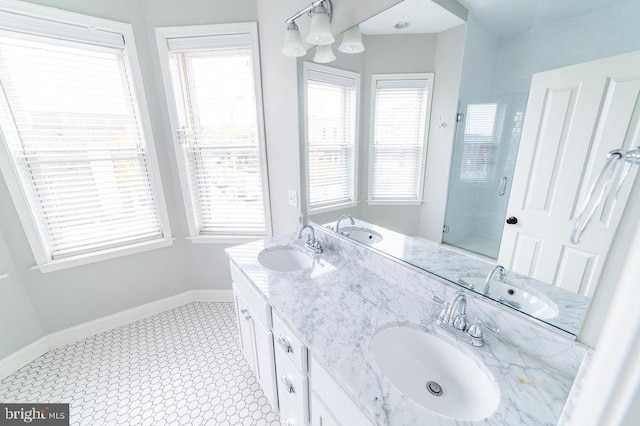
484,158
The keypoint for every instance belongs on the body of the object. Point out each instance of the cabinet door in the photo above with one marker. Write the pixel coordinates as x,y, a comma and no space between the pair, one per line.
245,330
320,414
265,366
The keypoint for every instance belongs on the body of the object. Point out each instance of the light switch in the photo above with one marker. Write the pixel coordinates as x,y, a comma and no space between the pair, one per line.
293,198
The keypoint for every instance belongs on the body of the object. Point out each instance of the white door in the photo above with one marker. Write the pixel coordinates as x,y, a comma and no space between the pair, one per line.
575,116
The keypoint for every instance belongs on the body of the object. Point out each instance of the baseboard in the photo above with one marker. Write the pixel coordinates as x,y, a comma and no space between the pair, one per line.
212,295
29,353
14,362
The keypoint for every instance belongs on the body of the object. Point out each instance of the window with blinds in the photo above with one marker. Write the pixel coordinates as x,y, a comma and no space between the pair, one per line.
481,140
71,124
331,110
398,148
218,133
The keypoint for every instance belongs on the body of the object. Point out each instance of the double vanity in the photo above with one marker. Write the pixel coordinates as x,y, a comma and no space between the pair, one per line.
338,334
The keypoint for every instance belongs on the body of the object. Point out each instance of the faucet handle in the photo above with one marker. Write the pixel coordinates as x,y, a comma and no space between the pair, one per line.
492,327
437,299
476,329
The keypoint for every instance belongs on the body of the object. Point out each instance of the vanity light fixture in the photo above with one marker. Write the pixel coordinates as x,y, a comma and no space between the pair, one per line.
352,41
320,32
293,42
324,54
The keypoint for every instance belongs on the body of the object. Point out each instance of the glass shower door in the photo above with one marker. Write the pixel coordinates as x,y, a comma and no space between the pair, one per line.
484,158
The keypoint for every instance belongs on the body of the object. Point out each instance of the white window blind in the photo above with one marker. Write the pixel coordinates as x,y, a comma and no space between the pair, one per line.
331,122
398,147
69,117
483,123
215,93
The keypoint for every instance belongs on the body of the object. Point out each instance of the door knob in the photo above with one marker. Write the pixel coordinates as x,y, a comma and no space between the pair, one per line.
512,220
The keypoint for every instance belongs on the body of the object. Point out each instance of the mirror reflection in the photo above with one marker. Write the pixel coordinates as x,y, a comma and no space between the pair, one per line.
528,138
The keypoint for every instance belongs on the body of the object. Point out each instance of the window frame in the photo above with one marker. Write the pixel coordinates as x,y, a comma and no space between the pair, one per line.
11,174
429,76
163,34
306,68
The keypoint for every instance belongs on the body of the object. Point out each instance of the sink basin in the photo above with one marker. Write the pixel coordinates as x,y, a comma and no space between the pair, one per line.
363,235
529,301
285,259
422,364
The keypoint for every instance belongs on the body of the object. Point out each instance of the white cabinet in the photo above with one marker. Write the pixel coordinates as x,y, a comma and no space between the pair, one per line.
292,380
256,339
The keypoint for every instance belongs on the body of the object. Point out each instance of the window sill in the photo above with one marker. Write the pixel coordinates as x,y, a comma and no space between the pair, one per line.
334,207
394,202
225,239
85,259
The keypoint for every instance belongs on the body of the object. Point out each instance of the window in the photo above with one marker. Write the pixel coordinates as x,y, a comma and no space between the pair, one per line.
75,152
481,140
212,79
331,122
400,114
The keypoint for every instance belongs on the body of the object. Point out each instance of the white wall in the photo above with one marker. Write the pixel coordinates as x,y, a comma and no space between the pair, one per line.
450,47
19,324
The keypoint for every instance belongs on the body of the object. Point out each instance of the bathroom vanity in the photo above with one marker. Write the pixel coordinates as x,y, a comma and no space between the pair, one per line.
320,331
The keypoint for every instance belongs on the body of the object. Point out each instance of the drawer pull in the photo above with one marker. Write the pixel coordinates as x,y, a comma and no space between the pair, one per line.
286,345
243,311
247,316
287,384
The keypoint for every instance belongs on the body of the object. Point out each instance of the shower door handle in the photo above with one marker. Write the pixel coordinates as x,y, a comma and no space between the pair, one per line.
503,186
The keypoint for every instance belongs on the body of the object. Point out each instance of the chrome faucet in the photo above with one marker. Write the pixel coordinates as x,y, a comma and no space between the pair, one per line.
311,243
344,216
453,319
502,276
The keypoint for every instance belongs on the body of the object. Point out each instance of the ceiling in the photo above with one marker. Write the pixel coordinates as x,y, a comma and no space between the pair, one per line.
512,17
423,16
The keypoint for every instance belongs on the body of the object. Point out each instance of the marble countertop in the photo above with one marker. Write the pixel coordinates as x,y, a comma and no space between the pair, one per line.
453,264
338,306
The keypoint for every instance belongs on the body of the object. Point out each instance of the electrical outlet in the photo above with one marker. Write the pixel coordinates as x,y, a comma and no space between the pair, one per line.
293,198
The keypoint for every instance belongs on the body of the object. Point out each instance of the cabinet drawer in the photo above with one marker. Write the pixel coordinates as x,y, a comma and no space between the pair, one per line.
289,416
343,409
290,346
292,385
260,309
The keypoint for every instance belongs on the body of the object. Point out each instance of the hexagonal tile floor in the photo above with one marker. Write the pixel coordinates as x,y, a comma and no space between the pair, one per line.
179,367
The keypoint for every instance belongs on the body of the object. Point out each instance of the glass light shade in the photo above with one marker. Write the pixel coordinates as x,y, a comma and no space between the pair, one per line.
320,32
293,42
352,41
324,54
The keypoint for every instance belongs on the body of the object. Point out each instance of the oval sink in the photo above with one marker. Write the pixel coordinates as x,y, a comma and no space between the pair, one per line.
435,373
529,301
285,259
363,235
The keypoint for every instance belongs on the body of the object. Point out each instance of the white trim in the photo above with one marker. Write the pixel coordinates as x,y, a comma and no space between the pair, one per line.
429,76
332,207
99,256
11,175
162,36
612,380
24,356
306,67
395,202
224,239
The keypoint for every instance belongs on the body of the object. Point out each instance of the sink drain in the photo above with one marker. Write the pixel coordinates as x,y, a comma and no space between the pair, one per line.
434,388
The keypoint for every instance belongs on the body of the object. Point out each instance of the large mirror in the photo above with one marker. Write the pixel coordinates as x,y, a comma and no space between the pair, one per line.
522,151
